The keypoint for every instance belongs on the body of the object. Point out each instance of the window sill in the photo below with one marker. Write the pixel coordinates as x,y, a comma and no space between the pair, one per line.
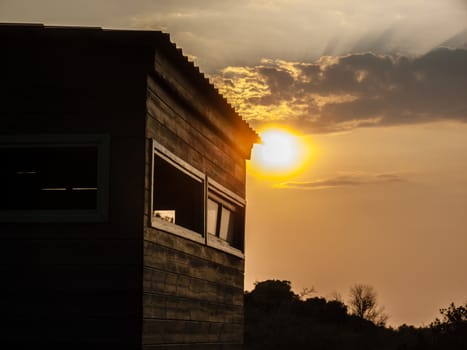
212,241
165,226
220,244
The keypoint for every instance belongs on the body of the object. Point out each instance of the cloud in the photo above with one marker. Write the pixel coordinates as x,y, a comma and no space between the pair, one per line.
337,93
242,32
343,180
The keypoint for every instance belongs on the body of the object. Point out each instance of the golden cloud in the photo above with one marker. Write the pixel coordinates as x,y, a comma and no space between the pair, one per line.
337,93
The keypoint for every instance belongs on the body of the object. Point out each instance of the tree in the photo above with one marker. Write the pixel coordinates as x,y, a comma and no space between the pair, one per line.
269,314
451,331
364,305
454,315
271,294
454,318
306,292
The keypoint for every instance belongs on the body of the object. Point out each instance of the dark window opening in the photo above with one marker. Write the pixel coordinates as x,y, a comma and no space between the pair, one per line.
178,196
48,178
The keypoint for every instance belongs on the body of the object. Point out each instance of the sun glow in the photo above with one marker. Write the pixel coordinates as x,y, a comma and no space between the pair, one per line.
281,153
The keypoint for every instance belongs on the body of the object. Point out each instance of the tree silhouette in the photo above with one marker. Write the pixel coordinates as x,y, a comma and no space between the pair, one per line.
278,318
270,294
363,304
451,331
453,315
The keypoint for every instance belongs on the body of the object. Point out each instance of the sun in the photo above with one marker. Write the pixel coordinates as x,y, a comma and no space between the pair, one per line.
279,149
280,153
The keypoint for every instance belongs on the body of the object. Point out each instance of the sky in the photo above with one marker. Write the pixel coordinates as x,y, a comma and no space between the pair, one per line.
377,90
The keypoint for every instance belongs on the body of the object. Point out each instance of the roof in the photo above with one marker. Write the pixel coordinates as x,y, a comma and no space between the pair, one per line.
141,38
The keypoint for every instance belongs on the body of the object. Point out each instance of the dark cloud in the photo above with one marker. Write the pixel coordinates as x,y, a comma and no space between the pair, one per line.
278,80
343,92
347,180
457,40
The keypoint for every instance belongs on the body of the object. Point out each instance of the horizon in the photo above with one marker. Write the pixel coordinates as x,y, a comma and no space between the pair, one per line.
376,91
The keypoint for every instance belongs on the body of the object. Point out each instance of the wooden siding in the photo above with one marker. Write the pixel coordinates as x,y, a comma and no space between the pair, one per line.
213,108
185,135
75,285
192,293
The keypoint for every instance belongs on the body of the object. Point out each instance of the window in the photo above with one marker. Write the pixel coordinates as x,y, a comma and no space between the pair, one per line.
53,178
225,216
188,203
178,195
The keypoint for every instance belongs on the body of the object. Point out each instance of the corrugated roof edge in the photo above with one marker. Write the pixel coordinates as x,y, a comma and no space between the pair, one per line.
151,38
221,101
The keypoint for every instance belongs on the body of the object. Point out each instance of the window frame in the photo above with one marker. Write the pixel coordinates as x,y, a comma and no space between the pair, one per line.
210,186
100,213
229,198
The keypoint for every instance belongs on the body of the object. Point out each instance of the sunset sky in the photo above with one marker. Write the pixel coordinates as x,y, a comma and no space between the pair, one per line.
377,93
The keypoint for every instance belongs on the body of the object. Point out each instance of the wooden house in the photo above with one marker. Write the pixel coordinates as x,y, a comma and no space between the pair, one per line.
122,194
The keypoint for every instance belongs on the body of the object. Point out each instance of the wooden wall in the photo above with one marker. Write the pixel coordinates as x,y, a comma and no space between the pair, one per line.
119,283
77,285
192,293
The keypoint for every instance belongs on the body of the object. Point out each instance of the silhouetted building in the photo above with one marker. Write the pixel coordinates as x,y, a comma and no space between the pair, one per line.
122,186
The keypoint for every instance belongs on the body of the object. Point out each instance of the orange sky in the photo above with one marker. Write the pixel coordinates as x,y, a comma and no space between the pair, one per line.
378,89
397,222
